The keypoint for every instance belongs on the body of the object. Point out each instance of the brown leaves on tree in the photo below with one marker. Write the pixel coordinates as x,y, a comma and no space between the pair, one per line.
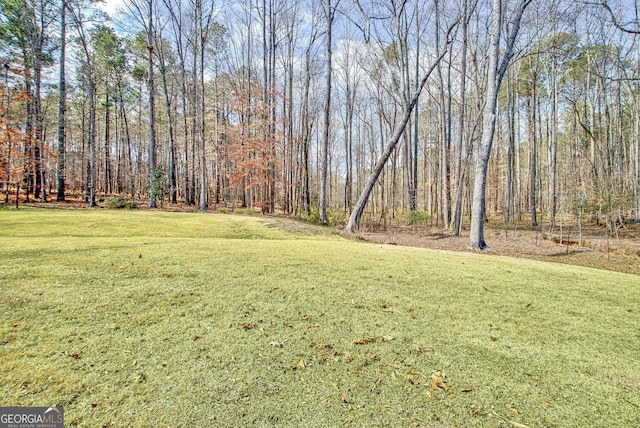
254,145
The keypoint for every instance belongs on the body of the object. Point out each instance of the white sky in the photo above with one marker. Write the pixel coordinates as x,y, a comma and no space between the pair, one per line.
111,6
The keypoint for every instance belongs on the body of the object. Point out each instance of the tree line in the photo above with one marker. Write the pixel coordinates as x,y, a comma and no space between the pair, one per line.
454,112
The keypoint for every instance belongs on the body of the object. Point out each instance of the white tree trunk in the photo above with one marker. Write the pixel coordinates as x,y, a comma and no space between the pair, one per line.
495,74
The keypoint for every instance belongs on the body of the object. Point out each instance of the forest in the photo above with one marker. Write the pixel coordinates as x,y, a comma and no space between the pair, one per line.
447,112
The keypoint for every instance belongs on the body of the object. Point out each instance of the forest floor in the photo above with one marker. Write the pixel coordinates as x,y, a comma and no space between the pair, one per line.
592,249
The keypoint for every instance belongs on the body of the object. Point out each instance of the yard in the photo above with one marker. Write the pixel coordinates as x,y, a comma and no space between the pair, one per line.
150,318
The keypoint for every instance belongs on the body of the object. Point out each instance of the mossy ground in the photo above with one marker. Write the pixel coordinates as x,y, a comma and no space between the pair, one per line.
148,318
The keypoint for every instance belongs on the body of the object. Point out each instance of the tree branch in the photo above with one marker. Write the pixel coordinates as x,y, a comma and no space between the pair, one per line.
620,26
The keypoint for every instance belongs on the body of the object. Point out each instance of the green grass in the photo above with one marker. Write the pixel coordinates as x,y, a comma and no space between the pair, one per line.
132,319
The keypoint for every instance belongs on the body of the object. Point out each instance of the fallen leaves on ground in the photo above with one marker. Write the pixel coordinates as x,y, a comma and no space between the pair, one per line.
437,382
364,340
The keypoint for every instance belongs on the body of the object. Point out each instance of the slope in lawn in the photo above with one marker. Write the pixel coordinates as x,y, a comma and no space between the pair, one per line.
174,319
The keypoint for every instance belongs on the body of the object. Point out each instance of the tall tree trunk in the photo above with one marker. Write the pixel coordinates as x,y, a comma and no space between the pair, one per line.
130,169
533,148
195,123
175,11
7,129
356,214
185,175
445,142
272,108
92,141
324,148
413,197
289,170
36,27
39,123
108,174
553,143
348,138
201,137
495,74
152,118
62,101
90,186
636,160
511,112
456,223
28,130
86,163
170,122
306,129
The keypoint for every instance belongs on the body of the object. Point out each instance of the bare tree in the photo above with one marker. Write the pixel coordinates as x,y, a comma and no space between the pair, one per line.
62,94
464,154
80,20
307,122
400,127
631,26
151,101
329,12
179,34
162,53
495,74
143,12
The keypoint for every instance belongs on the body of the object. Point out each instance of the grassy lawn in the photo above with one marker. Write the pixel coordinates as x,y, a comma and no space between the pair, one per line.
135,319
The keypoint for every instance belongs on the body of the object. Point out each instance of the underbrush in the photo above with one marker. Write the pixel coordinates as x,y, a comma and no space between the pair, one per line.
334,218
119,202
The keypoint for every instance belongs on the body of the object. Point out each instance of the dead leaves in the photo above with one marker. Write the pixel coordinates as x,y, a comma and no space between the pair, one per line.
247,326
438,381
323,346
370,360
368,339
75,355
364,340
